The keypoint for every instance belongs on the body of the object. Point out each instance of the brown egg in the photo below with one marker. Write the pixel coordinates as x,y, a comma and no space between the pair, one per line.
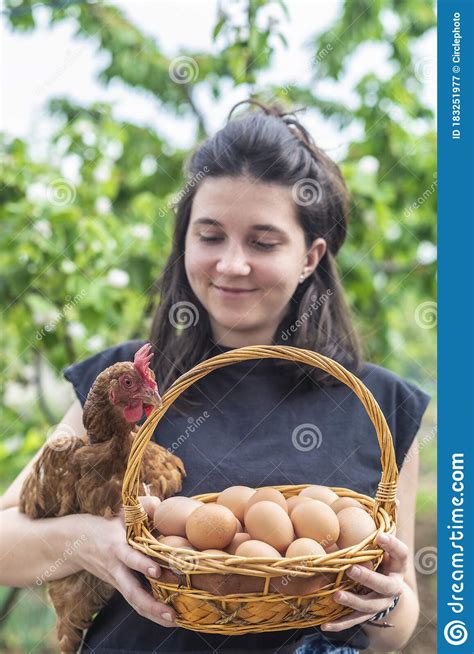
355,525
169,577
211,526
293,585
235,498
267,521
220,584
211,551
344,502
257,548
316,520
176,541
171,515
294,501
268,495
332,548
239,526
321,493
304,547
238,539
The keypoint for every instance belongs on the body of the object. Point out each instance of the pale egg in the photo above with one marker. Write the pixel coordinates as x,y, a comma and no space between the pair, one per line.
267,495
355,525
270,523
304,547
211,526
321,493
238,539
176,541
257,548
236,498
294,501
344,502
316,520
171,515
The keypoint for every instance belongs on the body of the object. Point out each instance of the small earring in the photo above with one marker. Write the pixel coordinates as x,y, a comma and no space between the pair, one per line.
302,278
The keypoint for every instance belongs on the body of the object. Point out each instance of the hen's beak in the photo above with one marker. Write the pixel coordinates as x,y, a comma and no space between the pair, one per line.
152,398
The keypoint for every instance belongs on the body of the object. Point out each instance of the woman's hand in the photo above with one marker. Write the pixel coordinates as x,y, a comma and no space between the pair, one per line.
386,586
107,555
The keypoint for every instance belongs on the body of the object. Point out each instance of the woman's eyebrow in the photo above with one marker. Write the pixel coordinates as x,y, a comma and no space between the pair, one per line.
259,228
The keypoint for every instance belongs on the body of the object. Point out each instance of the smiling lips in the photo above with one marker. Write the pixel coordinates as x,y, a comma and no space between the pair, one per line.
233,291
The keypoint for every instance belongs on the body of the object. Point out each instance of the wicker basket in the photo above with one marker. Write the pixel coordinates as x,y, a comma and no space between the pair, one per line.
242,613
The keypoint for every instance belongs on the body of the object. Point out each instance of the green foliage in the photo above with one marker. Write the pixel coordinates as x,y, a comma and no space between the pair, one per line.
82,249
88,227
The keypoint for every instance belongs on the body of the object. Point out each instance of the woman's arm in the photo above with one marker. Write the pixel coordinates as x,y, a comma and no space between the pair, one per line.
396,577
73,421
406,613
33,552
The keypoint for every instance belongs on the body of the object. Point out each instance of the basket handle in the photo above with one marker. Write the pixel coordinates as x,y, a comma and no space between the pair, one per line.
386,491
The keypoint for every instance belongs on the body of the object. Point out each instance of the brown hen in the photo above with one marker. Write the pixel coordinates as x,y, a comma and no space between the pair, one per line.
85,475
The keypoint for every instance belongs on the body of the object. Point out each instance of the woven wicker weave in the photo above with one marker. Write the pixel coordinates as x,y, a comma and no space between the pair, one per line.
267,610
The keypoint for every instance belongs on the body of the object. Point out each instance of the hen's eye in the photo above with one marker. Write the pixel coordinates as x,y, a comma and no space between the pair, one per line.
127,382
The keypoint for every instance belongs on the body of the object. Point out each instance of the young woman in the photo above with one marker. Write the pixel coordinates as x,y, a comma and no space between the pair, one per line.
261,220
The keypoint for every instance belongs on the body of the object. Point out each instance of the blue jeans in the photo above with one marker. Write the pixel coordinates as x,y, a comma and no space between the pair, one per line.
319,645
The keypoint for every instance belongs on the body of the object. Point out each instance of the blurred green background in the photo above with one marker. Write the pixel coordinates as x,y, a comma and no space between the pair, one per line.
80,252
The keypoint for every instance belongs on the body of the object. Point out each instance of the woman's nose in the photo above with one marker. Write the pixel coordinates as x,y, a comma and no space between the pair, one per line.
233,262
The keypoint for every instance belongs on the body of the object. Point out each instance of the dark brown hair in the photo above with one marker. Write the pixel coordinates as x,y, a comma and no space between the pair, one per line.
271,146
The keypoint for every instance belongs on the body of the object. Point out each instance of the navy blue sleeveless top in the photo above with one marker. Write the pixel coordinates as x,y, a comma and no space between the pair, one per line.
256,428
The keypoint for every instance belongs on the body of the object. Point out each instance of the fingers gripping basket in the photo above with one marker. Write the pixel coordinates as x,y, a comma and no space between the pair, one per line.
241,613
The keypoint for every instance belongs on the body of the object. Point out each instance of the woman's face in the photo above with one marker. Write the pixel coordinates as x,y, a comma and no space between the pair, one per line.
243,235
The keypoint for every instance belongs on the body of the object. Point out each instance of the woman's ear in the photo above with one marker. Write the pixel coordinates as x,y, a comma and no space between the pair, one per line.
314,255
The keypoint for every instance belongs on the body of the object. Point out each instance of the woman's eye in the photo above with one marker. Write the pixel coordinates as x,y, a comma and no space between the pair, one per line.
265,246
258,244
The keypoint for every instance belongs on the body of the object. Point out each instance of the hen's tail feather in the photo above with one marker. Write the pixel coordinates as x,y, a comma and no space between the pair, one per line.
76,598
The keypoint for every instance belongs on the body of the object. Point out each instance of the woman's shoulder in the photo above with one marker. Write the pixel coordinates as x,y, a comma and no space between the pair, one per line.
385,383
82,373
402,402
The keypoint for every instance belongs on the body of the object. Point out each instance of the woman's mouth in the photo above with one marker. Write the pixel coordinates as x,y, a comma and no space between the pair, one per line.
228,291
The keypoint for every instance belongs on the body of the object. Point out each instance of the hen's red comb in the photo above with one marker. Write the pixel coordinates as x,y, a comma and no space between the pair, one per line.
141,362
